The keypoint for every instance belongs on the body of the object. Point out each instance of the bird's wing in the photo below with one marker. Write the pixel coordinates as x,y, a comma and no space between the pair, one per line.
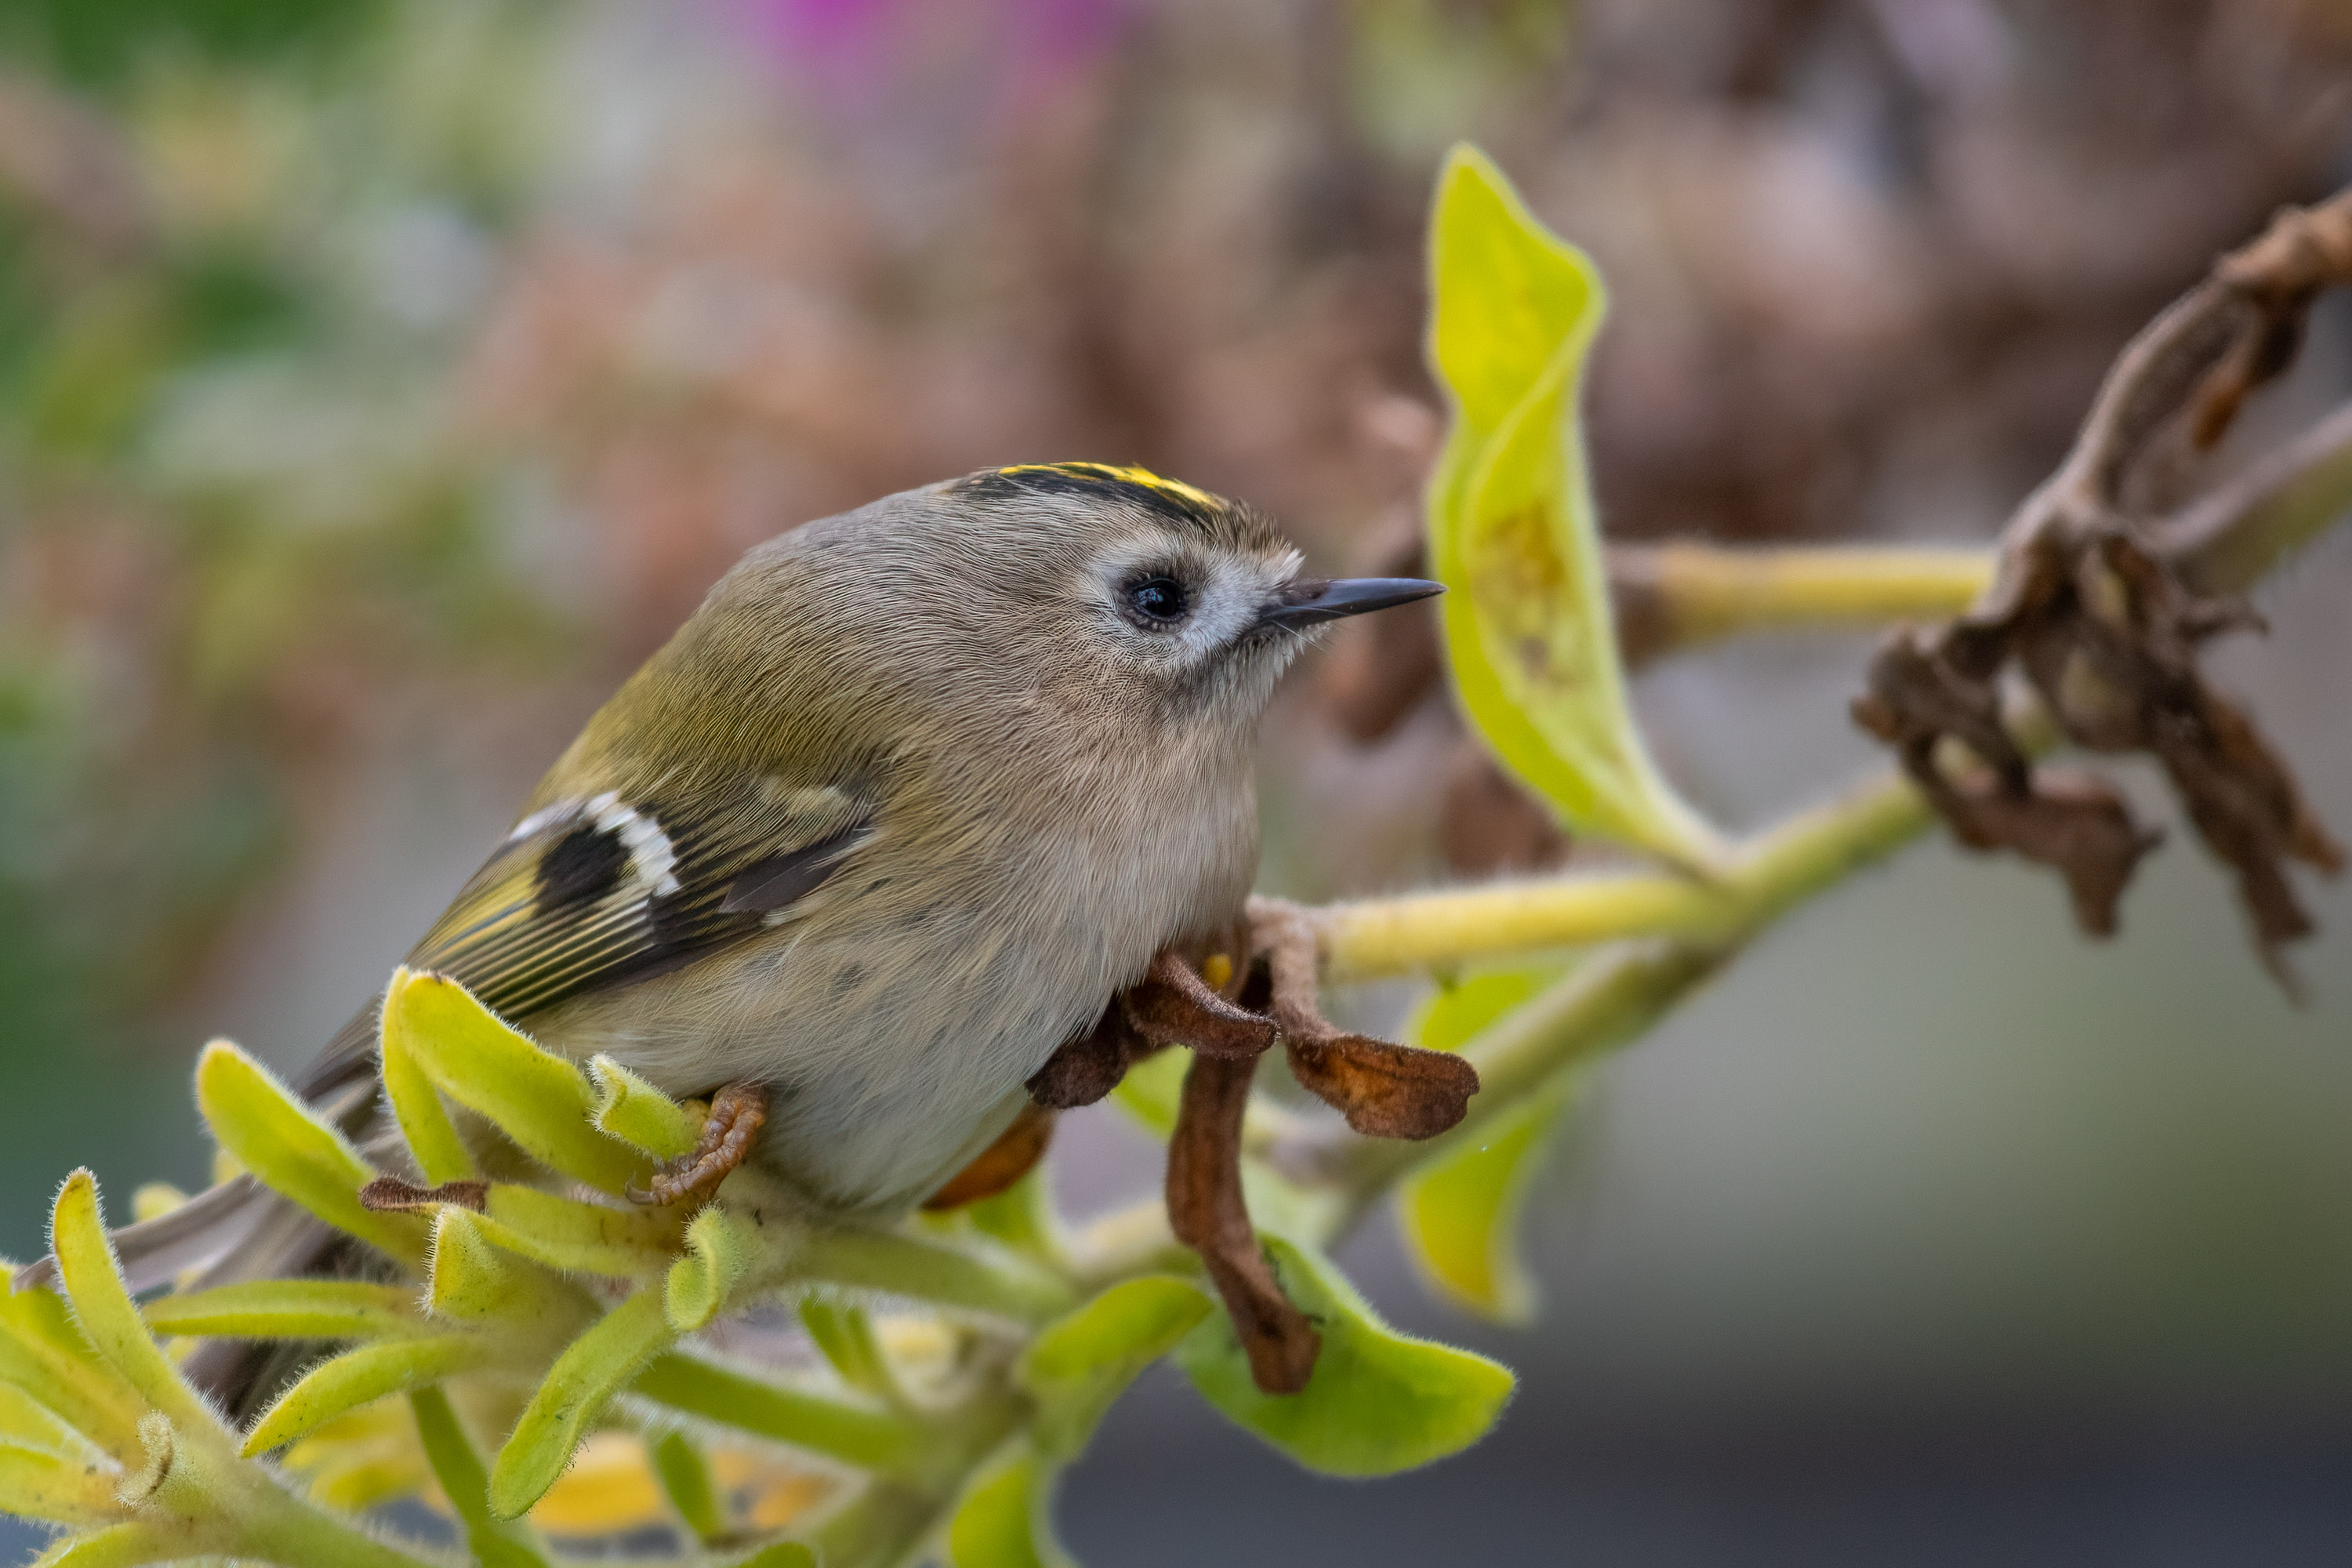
600,891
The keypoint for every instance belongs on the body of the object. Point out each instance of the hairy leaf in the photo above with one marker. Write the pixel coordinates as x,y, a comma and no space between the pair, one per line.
359,1377
721,1250
634,1111
594,1367
273,1135
440,1151
103,1308
1459,1212
1378,1401
290,1310
534,1096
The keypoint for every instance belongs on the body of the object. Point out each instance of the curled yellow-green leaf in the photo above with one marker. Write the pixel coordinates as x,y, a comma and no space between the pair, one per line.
273,1135
1512,528
594,1368
290,1310
434,1140
362,1377
103,1308
634,1111
537,1098
722,1250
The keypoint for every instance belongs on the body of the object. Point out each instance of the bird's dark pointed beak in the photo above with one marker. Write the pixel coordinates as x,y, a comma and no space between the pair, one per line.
1312,601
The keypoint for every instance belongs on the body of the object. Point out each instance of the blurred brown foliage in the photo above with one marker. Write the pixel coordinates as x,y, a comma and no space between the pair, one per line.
377,363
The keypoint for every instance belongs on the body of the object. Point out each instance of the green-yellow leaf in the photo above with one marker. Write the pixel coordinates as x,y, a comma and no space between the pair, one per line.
117,1546
290,1310
1513,530
686,1479
103,1308
474,1281
1078,1367
594,1367
29,1424
534,1096
1460,1213
360,1377
721,1250
1379,1402
38,1484
580,1237
1152,1088
273,1135
439,1150
42,1354
494,1543
634,1111
1452,1015
1005,1518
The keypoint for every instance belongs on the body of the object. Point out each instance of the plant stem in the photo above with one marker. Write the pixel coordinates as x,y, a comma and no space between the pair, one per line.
1676,596
1390,936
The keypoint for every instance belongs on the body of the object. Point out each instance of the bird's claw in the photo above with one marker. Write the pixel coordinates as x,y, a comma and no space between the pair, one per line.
738,1111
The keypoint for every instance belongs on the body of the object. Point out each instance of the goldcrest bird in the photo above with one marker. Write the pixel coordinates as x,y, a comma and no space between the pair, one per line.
894,815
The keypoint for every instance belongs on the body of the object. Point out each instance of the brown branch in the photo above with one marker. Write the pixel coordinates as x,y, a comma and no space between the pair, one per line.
2102,609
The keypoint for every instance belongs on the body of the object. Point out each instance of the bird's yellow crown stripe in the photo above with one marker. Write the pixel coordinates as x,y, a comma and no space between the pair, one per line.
1115,473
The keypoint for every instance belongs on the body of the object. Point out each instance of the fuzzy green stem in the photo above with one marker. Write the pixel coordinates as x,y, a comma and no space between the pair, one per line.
1676,596
1390,936
995,1281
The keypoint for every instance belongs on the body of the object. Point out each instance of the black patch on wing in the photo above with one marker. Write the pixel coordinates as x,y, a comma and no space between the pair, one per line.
782,879
583,864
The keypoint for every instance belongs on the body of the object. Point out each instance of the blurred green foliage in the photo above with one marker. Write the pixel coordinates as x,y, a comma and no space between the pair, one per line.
235,496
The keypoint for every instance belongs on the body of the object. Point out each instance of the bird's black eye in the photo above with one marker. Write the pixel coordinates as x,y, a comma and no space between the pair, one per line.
1154,600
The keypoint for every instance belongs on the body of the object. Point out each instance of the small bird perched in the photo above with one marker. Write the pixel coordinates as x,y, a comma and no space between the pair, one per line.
893,815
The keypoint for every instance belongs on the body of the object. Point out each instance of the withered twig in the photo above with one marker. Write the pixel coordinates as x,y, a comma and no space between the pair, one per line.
1384,1090
2088,607
2223,541
391,1194
1206,1211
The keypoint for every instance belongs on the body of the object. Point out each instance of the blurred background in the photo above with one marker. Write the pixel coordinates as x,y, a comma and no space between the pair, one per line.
381,380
